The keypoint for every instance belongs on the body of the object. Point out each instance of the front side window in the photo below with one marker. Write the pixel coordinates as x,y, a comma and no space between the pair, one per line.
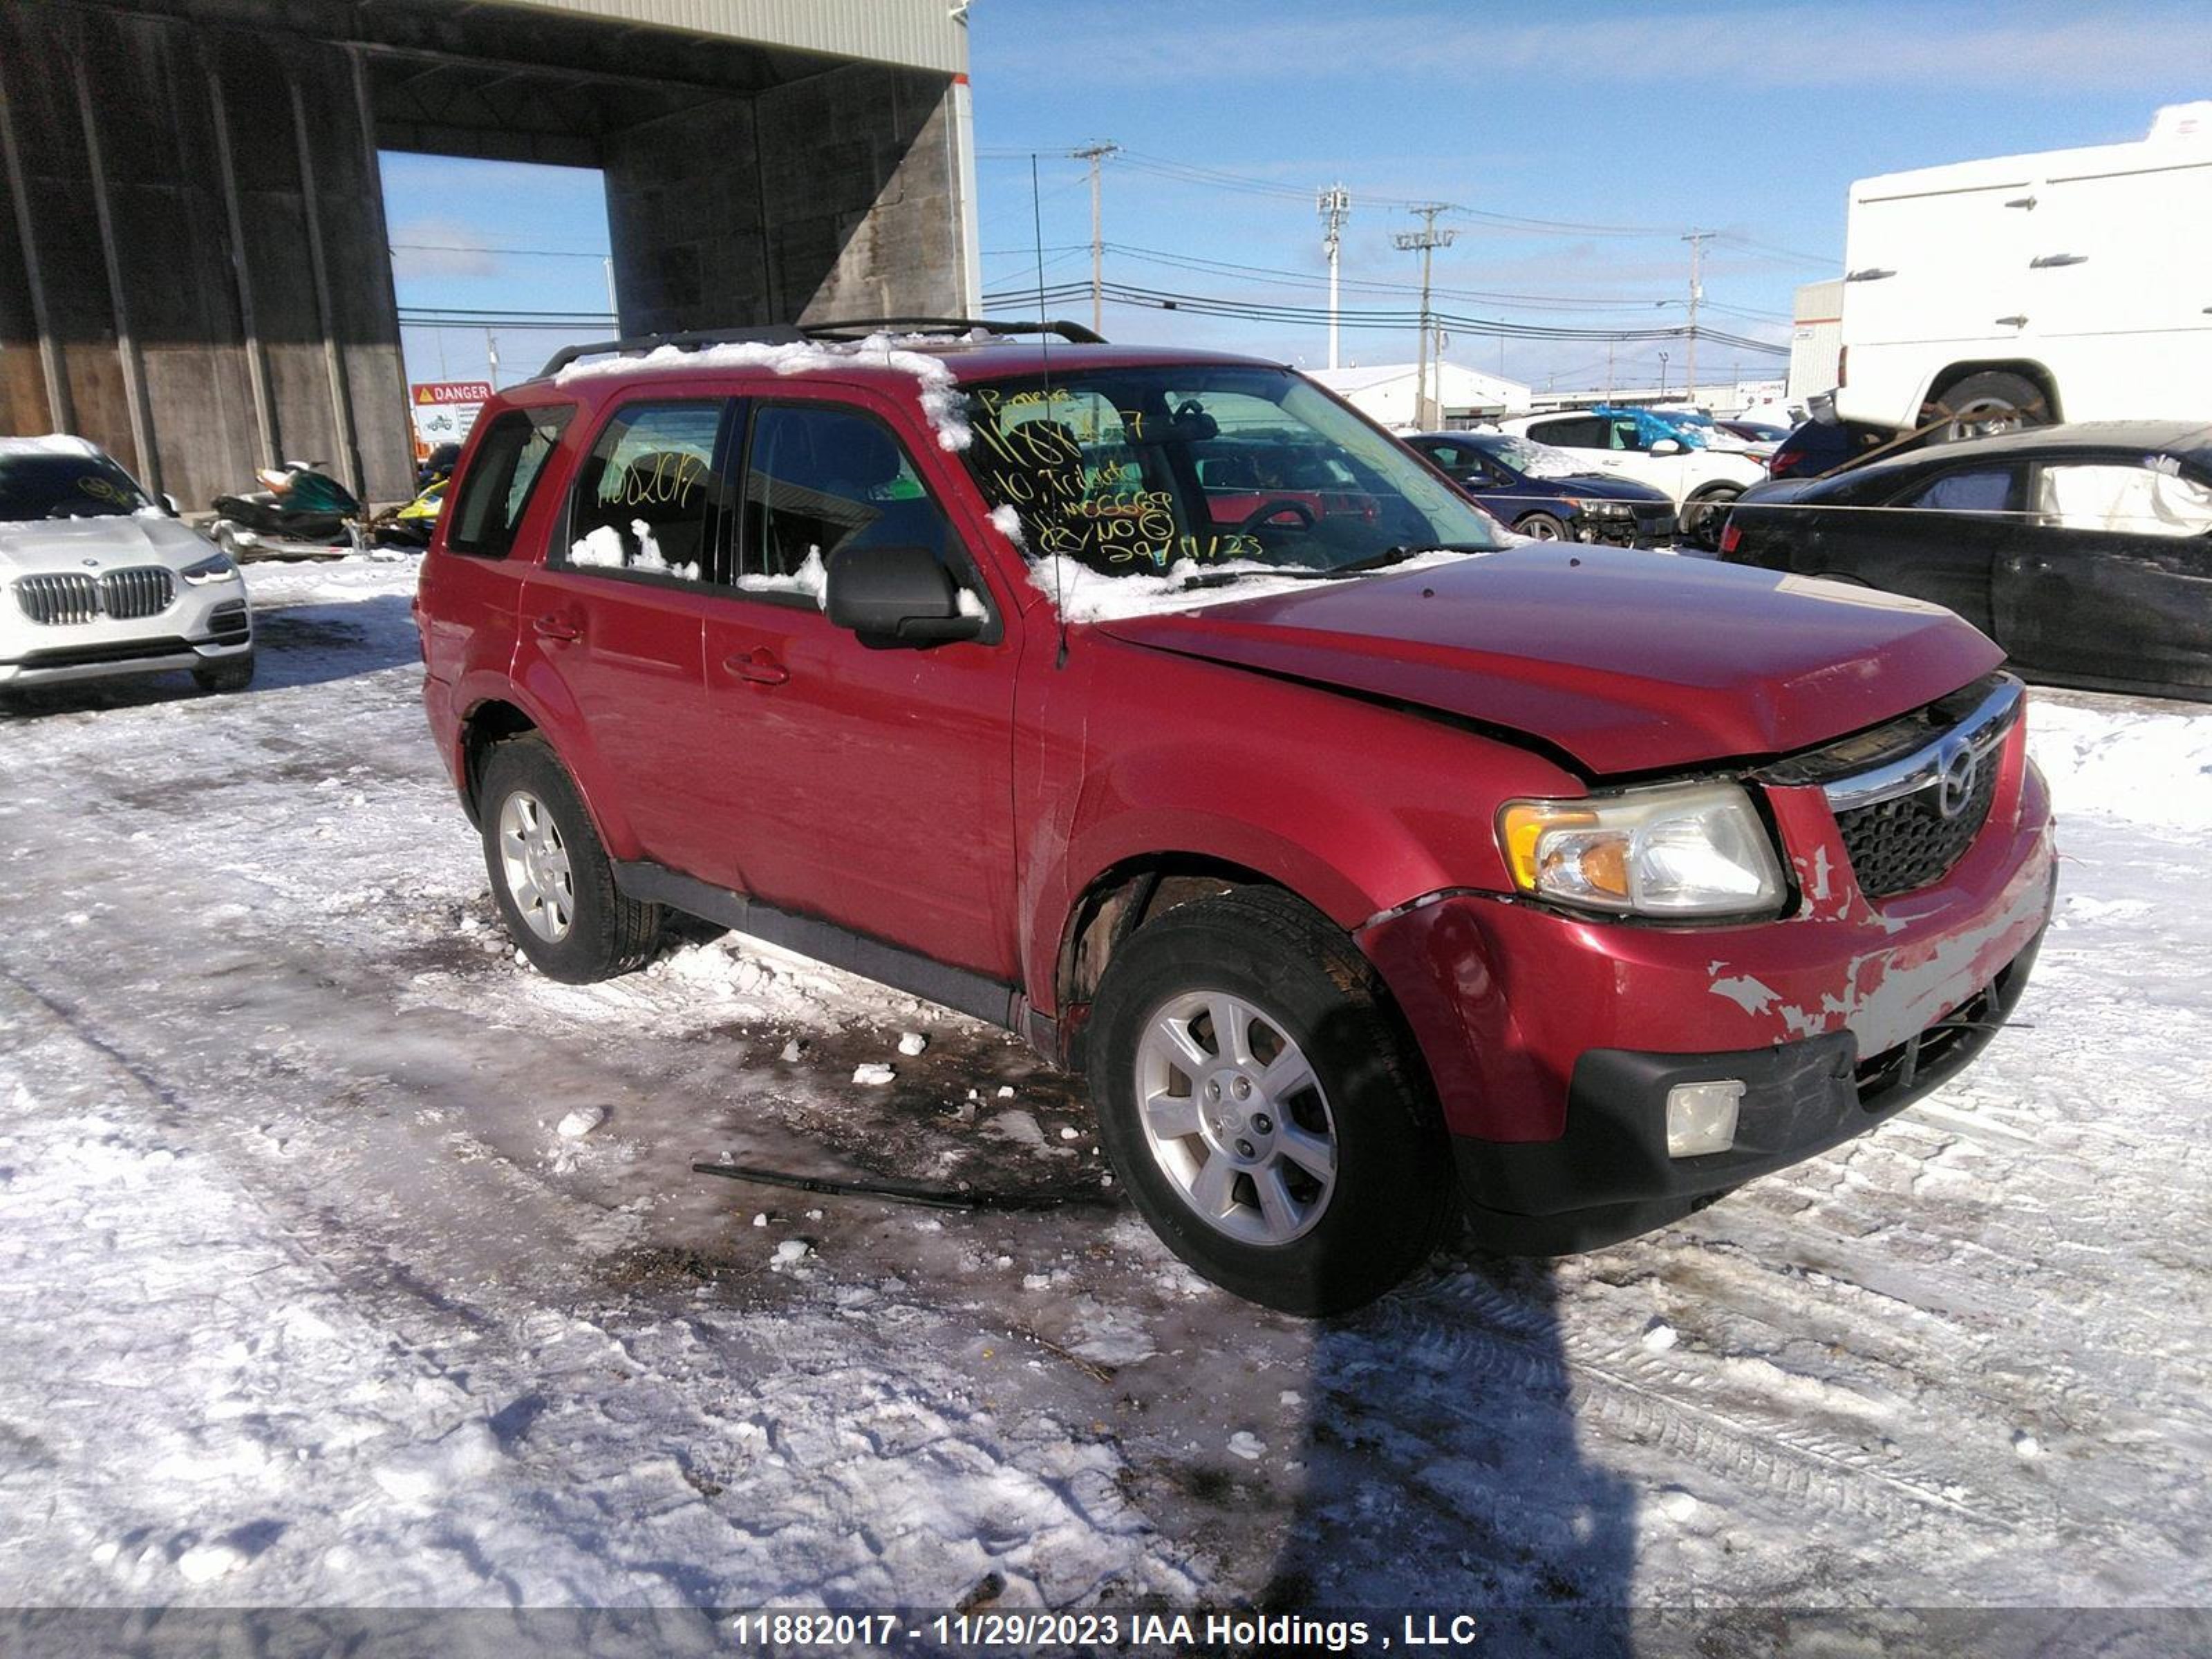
51,484
820,478
1136,470
1977,490
648,501
509,458
2120,500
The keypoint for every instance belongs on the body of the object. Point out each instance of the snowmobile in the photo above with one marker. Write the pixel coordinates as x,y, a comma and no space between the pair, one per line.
301,513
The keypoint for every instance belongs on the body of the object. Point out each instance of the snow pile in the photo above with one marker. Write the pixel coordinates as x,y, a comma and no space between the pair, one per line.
1083,595
602,549
53,443
942,400
811,579
2147,762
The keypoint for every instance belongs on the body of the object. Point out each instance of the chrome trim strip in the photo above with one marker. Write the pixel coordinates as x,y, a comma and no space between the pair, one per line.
1978,733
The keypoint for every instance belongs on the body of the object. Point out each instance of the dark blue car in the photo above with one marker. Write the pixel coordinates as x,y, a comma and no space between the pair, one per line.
1541,492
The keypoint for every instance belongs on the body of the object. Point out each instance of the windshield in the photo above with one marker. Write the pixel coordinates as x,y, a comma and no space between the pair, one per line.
1533,460
66,486
1134,471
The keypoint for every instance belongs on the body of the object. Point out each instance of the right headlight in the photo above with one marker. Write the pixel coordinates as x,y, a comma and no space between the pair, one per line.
1672,850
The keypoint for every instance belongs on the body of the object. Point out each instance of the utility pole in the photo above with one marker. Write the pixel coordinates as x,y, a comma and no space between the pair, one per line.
1697,239
1427,240
1335,206
491,356
1095,153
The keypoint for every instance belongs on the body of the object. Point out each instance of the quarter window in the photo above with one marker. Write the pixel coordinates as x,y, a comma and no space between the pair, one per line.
648,501
820,479
492,495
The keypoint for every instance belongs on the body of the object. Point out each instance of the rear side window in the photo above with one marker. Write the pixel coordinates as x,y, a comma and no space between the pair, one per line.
1577,432
648,501
819,478
508,461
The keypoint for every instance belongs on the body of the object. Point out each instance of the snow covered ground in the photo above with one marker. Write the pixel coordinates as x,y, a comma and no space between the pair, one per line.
345,1262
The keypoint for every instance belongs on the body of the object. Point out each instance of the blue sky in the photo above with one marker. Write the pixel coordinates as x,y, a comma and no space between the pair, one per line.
1746,119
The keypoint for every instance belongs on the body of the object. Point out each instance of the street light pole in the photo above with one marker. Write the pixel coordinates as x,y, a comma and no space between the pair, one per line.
1426,241
1697,239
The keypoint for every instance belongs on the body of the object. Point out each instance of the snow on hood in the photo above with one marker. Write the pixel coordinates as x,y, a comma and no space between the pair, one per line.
1627,661
1085,595
107,543
942,400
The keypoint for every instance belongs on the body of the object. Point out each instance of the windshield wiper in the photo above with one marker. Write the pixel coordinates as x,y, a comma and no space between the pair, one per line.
1390,555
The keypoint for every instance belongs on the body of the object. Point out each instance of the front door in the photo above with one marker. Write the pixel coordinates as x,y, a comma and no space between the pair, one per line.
869,787
2111,578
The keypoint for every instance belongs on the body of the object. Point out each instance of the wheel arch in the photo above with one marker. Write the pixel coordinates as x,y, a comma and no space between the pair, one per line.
507,709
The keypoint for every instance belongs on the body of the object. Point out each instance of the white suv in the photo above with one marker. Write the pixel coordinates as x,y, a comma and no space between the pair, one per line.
97,580
1703,481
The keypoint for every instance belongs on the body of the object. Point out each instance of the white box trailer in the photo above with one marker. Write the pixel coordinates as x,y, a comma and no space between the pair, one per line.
2073,285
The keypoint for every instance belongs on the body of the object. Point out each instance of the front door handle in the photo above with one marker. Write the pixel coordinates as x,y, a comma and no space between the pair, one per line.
557,627
760,666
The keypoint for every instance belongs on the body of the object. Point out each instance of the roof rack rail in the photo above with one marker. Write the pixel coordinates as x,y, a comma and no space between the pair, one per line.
684,340
1073,333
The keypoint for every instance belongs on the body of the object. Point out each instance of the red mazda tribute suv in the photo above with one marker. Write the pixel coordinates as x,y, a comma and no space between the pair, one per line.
1377,867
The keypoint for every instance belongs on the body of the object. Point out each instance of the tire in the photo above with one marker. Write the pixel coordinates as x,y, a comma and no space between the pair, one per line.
1322,1246
226,674
1543,528
1703,514
1984,404
550,875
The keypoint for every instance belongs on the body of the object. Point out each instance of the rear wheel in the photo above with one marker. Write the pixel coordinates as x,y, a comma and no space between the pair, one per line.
1542,526
1983,406
1261,1106
551,876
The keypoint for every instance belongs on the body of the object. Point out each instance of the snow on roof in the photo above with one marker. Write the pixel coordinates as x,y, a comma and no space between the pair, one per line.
1490,387
941,398
54,443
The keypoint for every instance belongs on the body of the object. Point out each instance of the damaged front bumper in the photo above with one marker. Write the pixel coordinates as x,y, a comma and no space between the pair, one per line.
1552,1041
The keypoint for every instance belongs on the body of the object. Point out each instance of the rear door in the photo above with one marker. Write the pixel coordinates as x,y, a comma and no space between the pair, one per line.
872,787
2111,578
612,622
469,591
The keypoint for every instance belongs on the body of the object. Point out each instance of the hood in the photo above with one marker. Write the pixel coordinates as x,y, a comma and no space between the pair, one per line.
97,545
1605,487
1626,661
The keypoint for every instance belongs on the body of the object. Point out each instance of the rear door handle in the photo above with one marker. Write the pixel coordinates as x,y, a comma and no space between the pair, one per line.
557,627
760,666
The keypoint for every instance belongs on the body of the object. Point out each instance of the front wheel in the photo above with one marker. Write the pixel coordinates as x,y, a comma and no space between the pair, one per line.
550,877
1703,514
1541,526
1262,1107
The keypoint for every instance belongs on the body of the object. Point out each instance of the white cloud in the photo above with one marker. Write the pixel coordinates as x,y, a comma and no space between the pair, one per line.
441,247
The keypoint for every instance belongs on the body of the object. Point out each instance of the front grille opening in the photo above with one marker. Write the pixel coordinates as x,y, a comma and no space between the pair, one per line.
1901,845
1900,1067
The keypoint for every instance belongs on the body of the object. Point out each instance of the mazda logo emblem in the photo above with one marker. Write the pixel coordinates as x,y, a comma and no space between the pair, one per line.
1954,778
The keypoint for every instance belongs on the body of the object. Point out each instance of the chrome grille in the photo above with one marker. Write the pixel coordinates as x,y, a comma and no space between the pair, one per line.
58,600
62,599
1906,823
143,591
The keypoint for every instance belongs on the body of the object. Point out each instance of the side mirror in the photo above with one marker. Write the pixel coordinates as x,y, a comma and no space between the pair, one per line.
1667,447
897,596
170,502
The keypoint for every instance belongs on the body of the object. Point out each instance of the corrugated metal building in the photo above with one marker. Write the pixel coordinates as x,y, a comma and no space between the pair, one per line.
1816,336
197,273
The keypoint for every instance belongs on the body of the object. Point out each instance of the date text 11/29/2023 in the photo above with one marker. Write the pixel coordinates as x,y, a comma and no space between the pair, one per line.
1013,1630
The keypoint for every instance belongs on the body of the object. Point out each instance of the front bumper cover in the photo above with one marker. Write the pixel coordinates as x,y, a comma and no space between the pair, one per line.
1609,1176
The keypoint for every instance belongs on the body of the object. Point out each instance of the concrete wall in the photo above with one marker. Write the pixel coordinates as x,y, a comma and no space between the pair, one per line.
835,196
194,269
146,286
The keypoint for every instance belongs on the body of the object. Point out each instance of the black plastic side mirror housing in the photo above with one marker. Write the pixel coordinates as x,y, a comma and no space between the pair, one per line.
896,595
